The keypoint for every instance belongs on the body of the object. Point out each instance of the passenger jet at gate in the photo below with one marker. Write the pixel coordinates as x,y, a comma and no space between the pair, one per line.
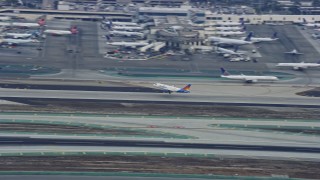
247,79
170,89
298,66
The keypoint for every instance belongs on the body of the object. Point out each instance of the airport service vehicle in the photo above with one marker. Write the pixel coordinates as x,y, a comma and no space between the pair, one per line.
128,44
73,30
17,41
293,52
247,79
41,22
126,33
263,39
170,89
298,66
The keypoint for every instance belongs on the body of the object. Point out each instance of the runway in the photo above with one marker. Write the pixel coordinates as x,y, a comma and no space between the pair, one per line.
5,141
276,100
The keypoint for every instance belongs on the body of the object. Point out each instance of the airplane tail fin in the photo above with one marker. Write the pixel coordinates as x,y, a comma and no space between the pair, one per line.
304,21
74,30
187,87
41,21
224,72
275,35
248,38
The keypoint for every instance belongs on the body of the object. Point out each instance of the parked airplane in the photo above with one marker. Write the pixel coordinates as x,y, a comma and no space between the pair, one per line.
229,33
41,22
305,23
171,89
237,42
222,23
126,33
73,30
128,44
248,79
128,28
263,39
227,52
293,52
21,35
17,41
298,66
230,28
110,23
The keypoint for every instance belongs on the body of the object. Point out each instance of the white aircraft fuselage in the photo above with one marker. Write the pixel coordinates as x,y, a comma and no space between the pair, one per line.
220,40
297,66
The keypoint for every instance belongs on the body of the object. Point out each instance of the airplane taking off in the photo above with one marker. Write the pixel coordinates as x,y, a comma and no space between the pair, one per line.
247,79
298,66
171,89
73,30
263,39
128,44
229,41
293,52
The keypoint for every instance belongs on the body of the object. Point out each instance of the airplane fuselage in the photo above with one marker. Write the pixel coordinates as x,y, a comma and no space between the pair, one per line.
220,40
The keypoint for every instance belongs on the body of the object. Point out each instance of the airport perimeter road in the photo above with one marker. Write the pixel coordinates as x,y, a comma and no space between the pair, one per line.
200,97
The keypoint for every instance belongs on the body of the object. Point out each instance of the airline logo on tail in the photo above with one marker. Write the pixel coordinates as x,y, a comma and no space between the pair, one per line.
224,72
248,38
74,30
42,22
186,89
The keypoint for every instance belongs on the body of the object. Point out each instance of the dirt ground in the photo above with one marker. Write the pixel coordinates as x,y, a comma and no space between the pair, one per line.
156,164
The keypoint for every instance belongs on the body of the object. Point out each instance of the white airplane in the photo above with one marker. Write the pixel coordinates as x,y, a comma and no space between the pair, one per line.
222,23
73,30
128,44
126,33
128,28
263,39
248,79
171,89
110,23
5,18
41,22
229,33
220,40
17,41
298,66
20,35
305,23
227,51
229,28
294,52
